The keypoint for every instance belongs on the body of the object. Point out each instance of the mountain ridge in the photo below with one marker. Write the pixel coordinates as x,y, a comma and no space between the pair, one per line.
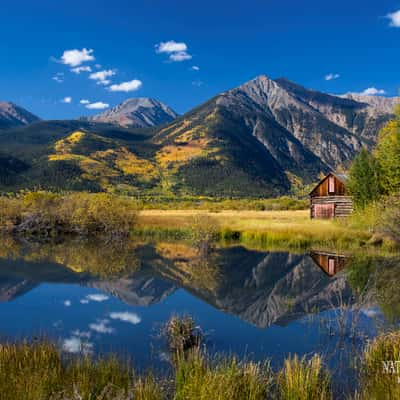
136,112
12,115
260,139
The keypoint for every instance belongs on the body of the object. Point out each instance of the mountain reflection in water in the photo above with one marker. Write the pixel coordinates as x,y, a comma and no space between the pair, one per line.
234,293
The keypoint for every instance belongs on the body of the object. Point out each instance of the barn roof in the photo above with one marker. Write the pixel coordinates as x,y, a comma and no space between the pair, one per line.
342,178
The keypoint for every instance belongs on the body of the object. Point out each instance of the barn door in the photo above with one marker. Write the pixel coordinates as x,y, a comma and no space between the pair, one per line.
331,266
324,210
331,184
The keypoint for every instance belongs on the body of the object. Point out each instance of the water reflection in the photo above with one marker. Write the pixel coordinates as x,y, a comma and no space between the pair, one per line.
330,263
265,303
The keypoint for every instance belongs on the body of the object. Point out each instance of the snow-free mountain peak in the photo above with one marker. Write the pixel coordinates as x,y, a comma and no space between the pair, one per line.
12,115
137,112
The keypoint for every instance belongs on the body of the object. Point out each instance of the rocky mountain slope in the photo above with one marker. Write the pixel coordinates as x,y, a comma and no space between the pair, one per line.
261,139
137,112
12,116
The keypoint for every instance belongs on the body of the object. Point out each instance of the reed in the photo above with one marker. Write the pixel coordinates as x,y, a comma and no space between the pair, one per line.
32,371
201,378
302,379
381,368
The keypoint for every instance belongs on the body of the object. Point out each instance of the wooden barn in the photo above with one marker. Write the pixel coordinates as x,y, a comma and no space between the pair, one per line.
329,199
330,263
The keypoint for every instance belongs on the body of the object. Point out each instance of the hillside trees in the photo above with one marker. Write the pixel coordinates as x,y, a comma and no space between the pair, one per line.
387,154
364,182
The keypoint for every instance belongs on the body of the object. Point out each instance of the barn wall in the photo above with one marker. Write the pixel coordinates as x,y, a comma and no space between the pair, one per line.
323,188
343,204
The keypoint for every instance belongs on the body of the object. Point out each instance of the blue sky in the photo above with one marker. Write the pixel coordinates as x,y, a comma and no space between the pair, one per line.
151,47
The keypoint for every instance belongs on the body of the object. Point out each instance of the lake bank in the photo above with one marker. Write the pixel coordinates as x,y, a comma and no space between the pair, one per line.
258,229
97,215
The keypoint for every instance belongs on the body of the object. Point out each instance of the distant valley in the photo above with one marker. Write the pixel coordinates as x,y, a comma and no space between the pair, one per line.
261,139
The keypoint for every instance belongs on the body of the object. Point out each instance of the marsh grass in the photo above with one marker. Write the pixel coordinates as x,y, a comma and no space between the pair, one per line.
32,371
302,379
257,229
201,378
376,382
182,334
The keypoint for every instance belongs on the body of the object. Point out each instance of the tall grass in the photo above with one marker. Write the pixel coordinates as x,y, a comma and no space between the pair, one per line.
200,378
37,371
381,368
32,371
302,379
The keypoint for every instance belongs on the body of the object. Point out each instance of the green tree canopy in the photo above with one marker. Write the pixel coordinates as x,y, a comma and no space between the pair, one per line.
387,153
364,183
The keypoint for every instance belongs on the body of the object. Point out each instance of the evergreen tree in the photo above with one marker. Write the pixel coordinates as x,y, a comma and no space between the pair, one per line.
364,183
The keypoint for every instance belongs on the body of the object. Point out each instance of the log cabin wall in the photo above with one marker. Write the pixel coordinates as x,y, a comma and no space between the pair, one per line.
343,205
329,200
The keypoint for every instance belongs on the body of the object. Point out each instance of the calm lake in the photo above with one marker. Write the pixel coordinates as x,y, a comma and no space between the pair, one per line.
97,298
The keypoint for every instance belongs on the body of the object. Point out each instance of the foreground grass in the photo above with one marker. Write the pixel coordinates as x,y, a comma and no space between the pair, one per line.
32,371
381,368
37,371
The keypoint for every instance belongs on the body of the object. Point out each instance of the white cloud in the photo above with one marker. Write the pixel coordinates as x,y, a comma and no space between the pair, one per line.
331,77
97,106
177,50
84,301
97,297
370,312
394,18
195,68
58,77
180,56
126,316
76,345
171,47
198,83
67,100
82,334
76,57
372,91
101,326
101,76
105,82
78,70
126,86
67,303
84,101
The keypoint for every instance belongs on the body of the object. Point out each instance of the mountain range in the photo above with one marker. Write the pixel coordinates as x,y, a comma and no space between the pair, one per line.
261,139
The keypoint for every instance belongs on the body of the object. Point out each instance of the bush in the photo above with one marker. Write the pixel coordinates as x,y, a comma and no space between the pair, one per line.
49,214
389,222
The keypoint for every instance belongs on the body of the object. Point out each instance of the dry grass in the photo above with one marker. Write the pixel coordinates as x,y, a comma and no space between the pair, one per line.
381,368
293,228
302,379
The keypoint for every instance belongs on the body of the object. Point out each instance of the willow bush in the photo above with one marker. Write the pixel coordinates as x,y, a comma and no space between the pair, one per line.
50,214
